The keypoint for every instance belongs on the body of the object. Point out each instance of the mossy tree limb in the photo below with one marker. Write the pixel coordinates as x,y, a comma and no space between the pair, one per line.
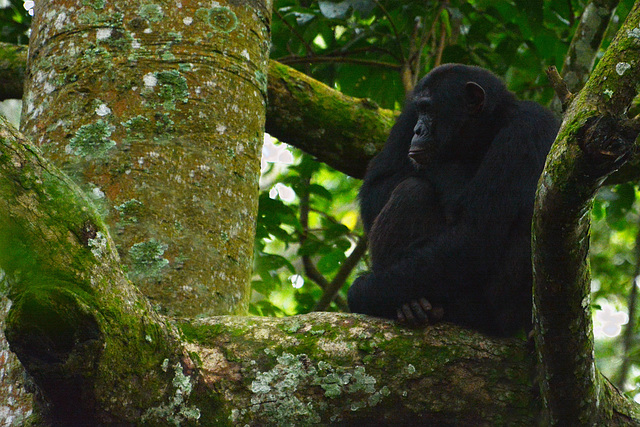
594,140
332,368
339,130
90,340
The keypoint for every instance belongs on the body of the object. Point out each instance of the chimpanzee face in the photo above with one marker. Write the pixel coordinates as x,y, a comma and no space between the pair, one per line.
443,113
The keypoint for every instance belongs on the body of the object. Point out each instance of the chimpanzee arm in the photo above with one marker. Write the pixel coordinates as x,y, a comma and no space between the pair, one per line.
391,235
390,167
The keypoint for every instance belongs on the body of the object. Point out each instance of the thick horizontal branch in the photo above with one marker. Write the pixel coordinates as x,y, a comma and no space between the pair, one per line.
341,131
332,368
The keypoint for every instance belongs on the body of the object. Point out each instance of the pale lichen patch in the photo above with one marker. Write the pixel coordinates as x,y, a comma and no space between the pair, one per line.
151,12
147,257
103,33
176,411
622,67
213,365
93,140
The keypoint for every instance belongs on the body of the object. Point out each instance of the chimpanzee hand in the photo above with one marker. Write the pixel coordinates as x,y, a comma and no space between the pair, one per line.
419,313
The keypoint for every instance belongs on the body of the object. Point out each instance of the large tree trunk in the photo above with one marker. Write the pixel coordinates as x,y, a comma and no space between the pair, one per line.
157,110
160,118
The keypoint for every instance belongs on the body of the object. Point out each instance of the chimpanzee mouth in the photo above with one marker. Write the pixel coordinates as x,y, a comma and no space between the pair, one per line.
420,157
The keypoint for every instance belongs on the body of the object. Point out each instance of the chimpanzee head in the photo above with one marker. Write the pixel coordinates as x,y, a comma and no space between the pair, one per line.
456,110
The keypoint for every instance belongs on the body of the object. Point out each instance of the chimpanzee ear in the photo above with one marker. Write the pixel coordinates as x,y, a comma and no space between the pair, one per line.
474,95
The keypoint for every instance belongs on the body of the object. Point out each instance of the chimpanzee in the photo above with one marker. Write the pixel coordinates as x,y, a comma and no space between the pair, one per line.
447,205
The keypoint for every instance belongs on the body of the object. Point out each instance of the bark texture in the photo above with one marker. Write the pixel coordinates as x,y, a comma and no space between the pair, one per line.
340,369
91,342
157,110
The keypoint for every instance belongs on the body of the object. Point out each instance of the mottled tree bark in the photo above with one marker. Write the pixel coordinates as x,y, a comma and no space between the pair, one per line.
157,110
92,343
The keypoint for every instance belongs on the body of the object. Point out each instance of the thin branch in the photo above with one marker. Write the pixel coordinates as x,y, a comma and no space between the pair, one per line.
310,269
330,289
340,59
572,16
294,32
432,31
393,27
627,339
559,86
407,72
341,277
443,38
411,69
369,49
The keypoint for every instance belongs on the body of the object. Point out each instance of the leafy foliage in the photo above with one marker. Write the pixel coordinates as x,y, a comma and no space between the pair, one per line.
284,239
361,47
15,23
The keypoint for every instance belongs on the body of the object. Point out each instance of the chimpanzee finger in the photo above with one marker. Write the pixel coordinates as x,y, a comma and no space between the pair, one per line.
408,314
435,314
419,312
426,305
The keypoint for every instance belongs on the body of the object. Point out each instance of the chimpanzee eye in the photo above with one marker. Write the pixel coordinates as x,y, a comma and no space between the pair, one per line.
424,105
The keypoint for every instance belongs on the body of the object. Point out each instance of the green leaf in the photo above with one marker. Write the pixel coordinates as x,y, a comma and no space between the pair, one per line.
330,262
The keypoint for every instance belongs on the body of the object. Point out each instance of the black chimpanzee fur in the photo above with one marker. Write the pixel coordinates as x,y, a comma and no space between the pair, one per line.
448,203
